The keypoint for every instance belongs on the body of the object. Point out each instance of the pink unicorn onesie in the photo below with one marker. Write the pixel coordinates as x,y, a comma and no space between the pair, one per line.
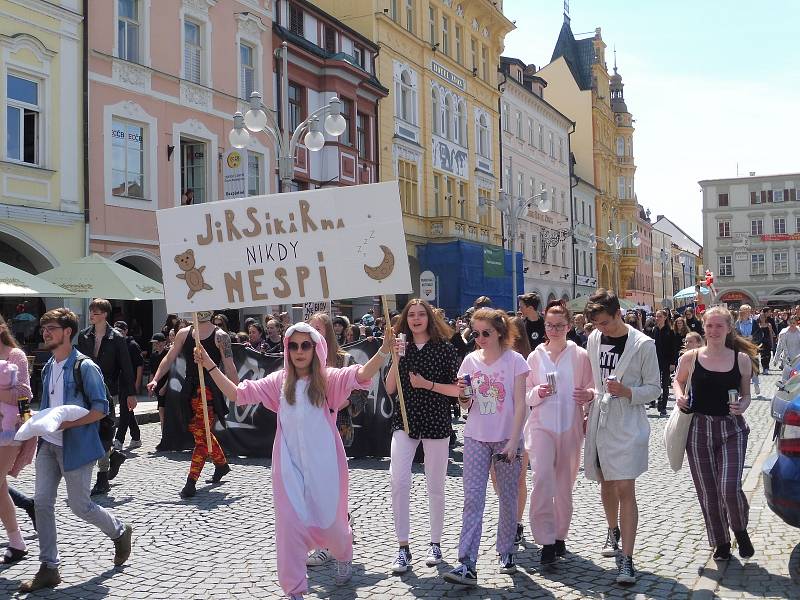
553,437
309,468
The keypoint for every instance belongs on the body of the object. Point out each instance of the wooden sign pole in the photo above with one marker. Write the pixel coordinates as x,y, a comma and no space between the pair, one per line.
396,370
202,383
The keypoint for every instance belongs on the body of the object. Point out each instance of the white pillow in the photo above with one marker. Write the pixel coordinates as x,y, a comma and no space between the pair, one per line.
49,420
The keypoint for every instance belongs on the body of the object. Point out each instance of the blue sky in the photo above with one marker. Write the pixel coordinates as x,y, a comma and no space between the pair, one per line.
710,84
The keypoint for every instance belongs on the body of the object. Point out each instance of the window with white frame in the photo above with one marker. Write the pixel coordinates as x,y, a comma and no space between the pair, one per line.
779,225
758,263
541,138
534,247
483,136
394,11
777,196
780,261
436,112
446,35
407,98
504,117
756,227
255,171
432,25
248,69
561,149
620,146
520,185
459,131
459,35
530,132
519,125
726,266
621,187
23,110
410,15
724,228
552,144
127,159
484,63
128,30
447,117
532,183
192,52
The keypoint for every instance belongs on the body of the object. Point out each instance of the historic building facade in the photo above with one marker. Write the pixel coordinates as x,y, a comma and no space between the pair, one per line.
640,288
438,134
42,195
535,153
751,233
580,86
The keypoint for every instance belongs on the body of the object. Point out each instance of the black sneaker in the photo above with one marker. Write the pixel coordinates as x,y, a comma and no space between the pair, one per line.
462,574
115,462
746,549
520,536
219,472
548,554
561,548
611,546
507,564
101,486
723,552
402,562
626,574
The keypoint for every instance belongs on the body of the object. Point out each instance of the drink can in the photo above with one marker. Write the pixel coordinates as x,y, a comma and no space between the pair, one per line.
551,382
733,396
467,387
611,378
401,351
24,407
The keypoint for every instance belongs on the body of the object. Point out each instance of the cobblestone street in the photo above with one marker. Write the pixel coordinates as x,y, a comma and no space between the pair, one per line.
221,543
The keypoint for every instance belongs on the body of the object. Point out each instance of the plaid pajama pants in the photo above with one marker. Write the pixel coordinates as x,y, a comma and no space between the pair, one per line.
716,448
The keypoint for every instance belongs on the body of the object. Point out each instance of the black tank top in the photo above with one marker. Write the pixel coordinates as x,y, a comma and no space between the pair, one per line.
210,346
710,388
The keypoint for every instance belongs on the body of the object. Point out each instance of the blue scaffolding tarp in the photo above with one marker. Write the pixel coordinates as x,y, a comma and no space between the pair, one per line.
466,270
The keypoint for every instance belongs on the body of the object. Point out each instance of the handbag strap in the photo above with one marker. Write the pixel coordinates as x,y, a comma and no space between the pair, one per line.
692,362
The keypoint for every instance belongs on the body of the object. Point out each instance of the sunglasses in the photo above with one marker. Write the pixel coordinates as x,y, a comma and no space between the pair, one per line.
485,333
304,346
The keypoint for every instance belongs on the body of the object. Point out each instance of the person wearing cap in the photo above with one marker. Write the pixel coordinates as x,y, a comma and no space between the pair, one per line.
309,466
108,349
216,343
126,417
159,351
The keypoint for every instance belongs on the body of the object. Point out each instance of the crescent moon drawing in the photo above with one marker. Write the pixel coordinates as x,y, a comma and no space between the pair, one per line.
384,269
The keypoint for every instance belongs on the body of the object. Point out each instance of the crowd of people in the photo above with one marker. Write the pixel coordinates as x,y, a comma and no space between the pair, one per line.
538,387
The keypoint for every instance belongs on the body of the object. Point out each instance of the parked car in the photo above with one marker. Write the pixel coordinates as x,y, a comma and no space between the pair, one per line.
781,470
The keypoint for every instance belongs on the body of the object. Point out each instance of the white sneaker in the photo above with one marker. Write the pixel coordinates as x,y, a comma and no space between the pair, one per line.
117,445
434,555
134,444
344,571
402,562
318,557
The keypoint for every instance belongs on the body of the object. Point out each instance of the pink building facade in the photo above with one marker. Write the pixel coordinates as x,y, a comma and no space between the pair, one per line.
165,78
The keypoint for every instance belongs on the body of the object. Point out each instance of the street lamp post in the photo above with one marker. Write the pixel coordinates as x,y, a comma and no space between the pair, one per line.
260,118
514,208
664,260
615,242
684,268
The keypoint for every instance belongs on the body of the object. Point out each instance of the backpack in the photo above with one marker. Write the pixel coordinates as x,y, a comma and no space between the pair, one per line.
106,425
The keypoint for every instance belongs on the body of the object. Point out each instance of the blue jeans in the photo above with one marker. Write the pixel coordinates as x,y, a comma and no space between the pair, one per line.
49,471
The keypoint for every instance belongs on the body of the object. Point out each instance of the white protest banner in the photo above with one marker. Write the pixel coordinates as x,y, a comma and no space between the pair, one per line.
311,308
234,174
299,247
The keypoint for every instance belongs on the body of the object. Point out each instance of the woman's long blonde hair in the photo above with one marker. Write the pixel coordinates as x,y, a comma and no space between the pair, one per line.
316,381
733,340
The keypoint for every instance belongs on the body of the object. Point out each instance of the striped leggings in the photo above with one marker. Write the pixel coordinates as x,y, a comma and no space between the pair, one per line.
716,448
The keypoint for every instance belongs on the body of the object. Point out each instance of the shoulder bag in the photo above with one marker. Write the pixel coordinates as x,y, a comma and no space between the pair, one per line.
676,431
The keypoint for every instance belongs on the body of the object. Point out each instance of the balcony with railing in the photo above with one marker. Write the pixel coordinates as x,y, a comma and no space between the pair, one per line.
461,229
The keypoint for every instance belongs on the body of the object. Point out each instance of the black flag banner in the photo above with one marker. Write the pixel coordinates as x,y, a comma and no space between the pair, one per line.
250,430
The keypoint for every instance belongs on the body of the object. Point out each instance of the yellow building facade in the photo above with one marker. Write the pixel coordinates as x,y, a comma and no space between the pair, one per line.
41,158
438,131
579,85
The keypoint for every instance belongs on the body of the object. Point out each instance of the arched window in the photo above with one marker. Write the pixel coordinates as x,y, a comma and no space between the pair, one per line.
407,101
447,118
620,146
483,136
436,112
461,123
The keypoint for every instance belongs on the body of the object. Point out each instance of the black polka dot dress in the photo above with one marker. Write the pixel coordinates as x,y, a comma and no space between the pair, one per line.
429,413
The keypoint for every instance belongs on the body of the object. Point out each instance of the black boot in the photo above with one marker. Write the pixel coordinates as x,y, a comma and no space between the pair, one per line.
746,549
101,486
115,462
189,489
219,472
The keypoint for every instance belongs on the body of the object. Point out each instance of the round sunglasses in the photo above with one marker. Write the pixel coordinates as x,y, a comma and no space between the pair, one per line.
304,346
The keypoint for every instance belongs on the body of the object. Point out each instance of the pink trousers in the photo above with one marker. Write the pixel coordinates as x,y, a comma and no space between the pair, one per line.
437,453
555,459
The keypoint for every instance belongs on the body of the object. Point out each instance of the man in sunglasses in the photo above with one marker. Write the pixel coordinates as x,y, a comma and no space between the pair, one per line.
217,344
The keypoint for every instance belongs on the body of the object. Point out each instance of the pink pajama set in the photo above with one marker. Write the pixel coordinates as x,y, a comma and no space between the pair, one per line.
553,438
309,466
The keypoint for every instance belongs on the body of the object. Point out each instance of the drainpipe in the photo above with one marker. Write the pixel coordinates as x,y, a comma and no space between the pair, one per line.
85,107
572,186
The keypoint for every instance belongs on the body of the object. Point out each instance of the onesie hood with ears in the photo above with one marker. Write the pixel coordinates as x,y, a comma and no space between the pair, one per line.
321,348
